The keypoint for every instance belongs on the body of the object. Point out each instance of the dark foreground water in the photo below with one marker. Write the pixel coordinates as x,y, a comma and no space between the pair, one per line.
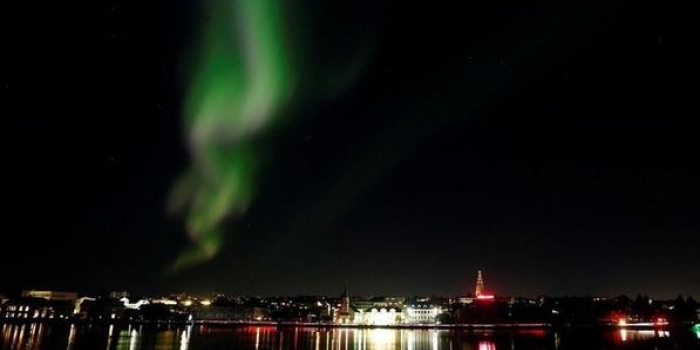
99,337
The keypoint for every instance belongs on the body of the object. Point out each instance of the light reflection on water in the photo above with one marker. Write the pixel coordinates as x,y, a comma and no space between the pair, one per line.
114,337
624,335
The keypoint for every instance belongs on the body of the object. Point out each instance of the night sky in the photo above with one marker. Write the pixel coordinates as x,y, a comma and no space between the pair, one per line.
553,145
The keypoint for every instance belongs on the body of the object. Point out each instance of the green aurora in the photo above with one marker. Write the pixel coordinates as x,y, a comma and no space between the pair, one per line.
240,81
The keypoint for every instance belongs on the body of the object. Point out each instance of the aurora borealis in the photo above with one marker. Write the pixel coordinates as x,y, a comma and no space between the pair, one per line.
240,82
272,147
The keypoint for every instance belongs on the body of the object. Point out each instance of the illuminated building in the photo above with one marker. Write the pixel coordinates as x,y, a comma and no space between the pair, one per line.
422,313
379,311
345,313
118,294
368,304
51,295
36,308
36,304
78,310
480,292
135,305
166,301
325,310
379,316
479,285
477,308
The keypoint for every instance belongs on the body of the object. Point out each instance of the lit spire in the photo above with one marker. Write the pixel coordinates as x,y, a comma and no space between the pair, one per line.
479,284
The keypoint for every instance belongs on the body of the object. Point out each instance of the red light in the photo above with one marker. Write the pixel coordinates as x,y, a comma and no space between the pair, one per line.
485,297
661,321
487,345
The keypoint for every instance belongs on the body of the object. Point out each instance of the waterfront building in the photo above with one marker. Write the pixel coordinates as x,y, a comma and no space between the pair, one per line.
50,295
134,305
379,316
36,308
325,311
367,304
79,309
345,312
118,294
422,313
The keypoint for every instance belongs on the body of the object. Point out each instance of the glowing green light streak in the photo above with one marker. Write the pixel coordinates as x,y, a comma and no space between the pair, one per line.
239,84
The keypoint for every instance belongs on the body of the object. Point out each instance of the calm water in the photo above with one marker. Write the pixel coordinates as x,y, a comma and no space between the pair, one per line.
87,337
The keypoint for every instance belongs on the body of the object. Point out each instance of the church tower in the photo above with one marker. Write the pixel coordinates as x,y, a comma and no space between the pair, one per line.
345,312
479,285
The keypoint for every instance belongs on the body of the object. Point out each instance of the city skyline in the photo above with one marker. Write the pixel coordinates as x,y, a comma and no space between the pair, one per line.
480,308
478,291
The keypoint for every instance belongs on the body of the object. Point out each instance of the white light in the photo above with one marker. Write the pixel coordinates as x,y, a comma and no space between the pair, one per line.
257,338
185,338
133,340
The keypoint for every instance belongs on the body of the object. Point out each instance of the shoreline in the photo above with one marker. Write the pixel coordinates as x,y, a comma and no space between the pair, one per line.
237,323
362,326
